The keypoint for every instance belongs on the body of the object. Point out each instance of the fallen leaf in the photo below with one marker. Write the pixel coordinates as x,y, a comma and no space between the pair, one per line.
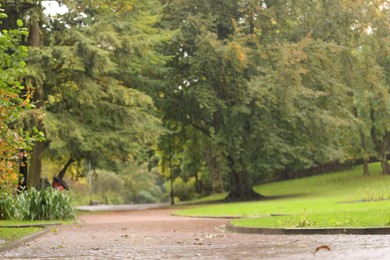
58,247
323,247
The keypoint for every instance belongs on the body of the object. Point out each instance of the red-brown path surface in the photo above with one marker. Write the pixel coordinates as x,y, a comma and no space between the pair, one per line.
155,234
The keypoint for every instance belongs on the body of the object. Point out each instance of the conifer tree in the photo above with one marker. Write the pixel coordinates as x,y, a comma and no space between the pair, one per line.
85,76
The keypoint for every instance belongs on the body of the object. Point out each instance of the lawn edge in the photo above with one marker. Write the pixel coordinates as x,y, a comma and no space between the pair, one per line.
23,240
308,231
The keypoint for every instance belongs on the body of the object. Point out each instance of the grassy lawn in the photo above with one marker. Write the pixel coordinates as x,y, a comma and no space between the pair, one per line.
10,232
9,235
343,199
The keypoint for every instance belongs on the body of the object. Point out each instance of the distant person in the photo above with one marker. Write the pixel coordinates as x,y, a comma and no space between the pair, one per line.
59,184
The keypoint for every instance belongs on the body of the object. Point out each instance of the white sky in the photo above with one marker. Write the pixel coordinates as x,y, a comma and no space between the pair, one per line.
52,8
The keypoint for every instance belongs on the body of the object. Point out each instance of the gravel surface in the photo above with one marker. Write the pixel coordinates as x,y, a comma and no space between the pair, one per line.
155,234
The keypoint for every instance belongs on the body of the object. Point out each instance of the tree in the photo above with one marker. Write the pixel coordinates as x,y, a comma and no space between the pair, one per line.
264,80
209,77
32,13
376,53
91,112
14,103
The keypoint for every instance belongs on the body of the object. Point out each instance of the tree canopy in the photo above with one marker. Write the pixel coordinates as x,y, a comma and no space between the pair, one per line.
227,92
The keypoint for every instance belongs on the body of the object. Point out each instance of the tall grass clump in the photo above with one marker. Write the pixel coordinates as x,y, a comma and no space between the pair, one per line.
45,204
7,206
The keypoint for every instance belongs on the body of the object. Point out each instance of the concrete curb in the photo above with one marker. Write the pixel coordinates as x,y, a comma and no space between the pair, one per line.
109,208
23,240
32,225
308,231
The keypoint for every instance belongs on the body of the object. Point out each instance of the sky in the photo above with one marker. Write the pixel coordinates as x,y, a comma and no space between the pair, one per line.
53,8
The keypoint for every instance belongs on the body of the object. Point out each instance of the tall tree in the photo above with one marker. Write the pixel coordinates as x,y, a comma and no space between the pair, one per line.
264,80
378,48
90,112
32,14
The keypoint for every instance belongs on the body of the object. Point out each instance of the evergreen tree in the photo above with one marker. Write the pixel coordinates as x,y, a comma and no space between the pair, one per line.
88,111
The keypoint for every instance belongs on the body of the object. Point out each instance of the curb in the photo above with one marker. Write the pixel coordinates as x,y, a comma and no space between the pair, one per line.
32,225
123,207
23,240
308,231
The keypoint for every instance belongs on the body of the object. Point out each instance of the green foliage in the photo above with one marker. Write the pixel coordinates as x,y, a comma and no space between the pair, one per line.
88,67
131,184
243,89
13,104
271,84
141,184
183,190
109,187
45,204
7,206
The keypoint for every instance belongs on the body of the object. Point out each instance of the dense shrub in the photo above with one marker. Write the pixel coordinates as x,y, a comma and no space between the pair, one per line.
7,206
142,185
45,204
108,188
183,190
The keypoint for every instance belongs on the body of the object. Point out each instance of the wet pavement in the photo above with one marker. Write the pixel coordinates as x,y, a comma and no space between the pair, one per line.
155,234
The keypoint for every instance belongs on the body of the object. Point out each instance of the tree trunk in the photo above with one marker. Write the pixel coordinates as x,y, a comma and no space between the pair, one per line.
66,166
219,181
198,185
366,171
384,163
23,169
35,38
172,179
215,169
383,154
172,192
35,165
240,186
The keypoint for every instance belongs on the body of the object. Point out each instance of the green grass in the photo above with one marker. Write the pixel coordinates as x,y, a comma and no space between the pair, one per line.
343,199
9,235
7,223
9,232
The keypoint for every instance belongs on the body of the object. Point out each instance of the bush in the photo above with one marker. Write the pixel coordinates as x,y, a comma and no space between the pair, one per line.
7,206
109,188
183,190
45,204
141,185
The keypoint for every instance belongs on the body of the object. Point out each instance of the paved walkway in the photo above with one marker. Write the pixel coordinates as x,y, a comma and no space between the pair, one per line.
155,234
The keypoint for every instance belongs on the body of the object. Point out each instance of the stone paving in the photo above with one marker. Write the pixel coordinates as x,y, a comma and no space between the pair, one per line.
155,234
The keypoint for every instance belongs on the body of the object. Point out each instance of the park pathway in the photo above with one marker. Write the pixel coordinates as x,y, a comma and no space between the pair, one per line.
155,234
